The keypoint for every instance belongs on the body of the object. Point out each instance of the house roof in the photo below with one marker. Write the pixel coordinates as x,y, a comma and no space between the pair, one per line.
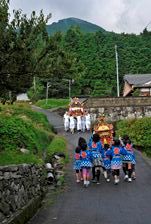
138,80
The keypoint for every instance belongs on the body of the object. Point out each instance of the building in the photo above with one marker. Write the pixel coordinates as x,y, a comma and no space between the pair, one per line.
22,97
140,82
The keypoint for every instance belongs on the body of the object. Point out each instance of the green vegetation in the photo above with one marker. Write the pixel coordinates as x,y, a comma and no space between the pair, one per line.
53,103
139,131
28,53
92,61
22,128
14,157
58,144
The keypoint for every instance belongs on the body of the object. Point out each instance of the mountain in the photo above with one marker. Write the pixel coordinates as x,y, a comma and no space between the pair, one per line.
64,24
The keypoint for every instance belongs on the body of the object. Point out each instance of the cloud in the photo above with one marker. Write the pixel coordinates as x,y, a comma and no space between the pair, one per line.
130,16
136,16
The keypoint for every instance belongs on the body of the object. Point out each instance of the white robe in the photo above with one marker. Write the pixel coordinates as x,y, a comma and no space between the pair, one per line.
88,121
83,123
79,123
66,122
72,123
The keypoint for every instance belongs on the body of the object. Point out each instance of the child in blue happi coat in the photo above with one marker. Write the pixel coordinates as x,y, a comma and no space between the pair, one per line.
77,160
77,163
106,162
116,161
129,161
86,164
95,147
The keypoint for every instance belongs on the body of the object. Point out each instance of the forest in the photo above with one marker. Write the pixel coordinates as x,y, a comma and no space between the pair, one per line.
30,57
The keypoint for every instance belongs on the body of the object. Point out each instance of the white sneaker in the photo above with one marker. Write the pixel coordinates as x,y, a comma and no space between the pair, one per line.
88,182
116,181
105,174
85,183
107,180
78,181
126,177
129,179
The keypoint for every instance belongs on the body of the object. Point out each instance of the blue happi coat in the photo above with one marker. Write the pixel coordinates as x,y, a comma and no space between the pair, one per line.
96,149
86,159
77,161
115,153
106,160
129,157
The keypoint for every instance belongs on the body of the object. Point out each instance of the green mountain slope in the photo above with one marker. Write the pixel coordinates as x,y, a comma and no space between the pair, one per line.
64,24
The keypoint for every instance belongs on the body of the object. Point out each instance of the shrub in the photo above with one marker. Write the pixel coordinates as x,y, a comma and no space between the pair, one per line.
139,130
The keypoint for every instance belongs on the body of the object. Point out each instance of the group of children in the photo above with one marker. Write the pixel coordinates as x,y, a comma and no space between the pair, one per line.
79,122
92,159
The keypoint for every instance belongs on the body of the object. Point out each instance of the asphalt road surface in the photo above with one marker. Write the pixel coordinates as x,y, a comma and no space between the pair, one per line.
126,203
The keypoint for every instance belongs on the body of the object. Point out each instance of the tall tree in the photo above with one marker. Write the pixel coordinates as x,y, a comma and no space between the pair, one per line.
20,49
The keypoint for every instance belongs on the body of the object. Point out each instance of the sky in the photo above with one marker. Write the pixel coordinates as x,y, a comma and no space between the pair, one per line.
129,16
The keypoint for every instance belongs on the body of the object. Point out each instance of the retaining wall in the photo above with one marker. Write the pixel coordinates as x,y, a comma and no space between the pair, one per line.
21,191
118,108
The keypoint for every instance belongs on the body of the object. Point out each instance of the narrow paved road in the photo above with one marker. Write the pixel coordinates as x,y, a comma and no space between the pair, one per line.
127,203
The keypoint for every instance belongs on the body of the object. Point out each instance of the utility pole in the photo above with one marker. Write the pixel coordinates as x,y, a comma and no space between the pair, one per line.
47,91
69,89
70,82
34,81
10,95
117,71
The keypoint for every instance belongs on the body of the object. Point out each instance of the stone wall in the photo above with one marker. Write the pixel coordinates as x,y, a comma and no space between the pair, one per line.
21,191
118,108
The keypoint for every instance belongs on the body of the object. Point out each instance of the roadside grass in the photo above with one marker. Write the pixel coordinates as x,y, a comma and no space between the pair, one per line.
58,145
14,157
53,103
21,127
24,111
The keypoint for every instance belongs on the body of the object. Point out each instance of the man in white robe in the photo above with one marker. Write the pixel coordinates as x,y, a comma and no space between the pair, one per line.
66,121
79,123
83,123
88,121
72,124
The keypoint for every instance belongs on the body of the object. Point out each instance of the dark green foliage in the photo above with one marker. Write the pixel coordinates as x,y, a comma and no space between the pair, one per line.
97,54
27,51
37,92
21,43
139,130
